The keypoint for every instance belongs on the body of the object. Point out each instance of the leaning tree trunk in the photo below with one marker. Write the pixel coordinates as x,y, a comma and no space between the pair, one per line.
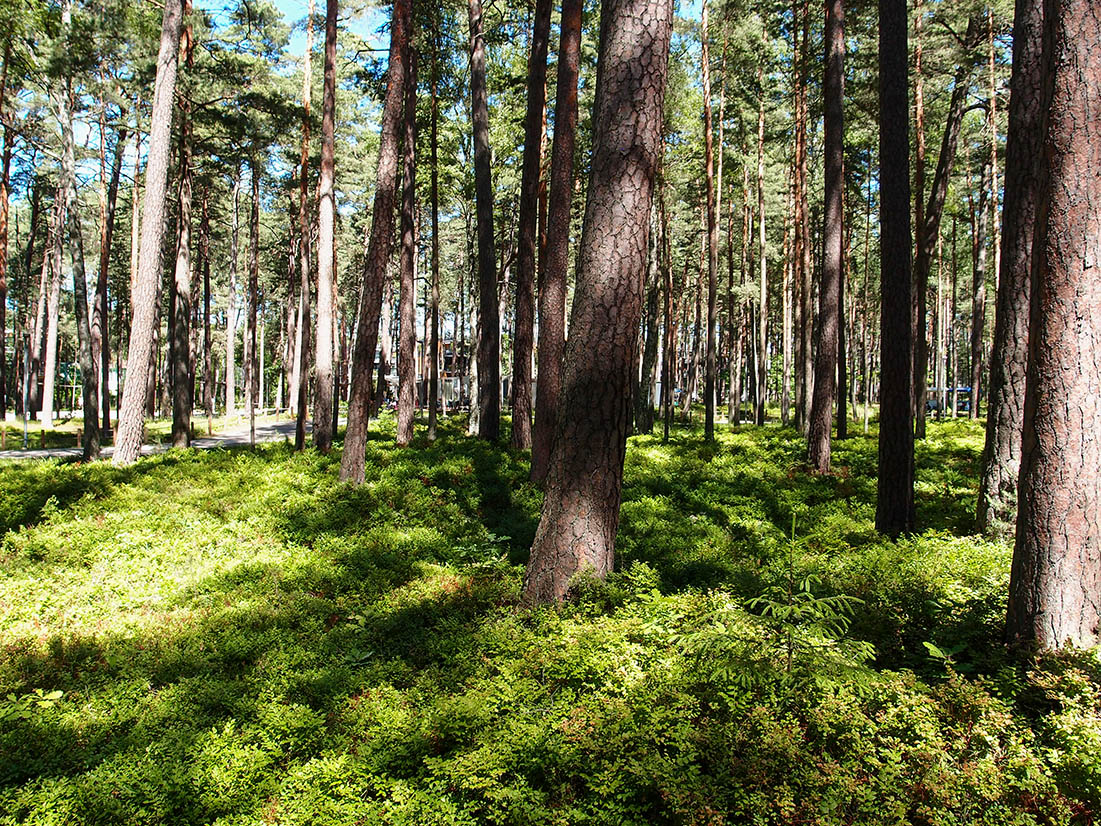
895,486
527,254
139,362
829,306
323,424
552,281
1055,584
997,505
581,509
378,248
407,312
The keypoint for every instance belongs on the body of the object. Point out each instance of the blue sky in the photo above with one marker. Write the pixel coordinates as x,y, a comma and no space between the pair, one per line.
293,11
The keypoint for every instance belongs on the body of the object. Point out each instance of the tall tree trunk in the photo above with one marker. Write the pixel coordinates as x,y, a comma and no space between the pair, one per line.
644,408
711,367
301,381
323,424
101,315
89,378
385,345
489,345
787,300
581,509
407,311
552,280
180,318
231,309
252,295
53,305
378,248
434,341
139,362
669,349
978,292
895,486
762,317
527,252
4,173
1055,584
804,273
829,302
997,505
204,258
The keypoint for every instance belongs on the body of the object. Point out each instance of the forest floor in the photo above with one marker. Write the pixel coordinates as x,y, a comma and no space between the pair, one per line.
235,637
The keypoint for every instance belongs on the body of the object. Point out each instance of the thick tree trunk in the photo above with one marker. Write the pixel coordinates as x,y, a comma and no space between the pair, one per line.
581,509
139,362
407,311
997,505
489,344
527,252
323,424
894,505
552,280
1055,585
829,306
378,248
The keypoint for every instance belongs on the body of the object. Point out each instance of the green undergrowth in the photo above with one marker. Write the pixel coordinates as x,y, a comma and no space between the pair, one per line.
234,637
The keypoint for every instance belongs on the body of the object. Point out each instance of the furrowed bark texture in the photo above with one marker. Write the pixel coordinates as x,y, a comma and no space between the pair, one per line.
581,509
139,361
407,311
895,495
997,507
1055,584
378,249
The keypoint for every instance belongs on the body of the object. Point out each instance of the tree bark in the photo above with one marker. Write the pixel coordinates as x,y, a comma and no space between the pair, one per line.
231,309
978,291
434,310
1055,584
997,506
711,357
489,344
762,316
204,262
829,307
895,485
139,362
101,315
180,318
301,381
4,195
378,248
407,312
581,509
252,303
323,424
527,252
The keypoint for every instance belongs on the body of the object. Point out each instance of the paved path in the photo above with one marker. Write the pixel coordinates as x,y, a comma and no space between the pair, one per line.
236,436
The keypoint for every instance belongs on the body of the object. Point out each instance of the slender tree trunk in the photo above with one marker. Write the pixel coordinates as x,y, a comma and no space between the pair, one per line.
323,424
829,307
489,345
180,319
4,173
378,250
252,303
53,305
101,315
997,505
978,292
762,316
804,274
434,341
204,259
527,252
711,367
407,313
581,509
139,362
89,378
669,351
231,310
301,380
385,346
894,505
552,282
1055,584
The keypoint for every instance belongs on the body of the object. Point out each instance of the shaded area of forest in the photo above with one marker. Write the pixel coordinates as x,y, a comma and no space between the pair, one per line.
241,639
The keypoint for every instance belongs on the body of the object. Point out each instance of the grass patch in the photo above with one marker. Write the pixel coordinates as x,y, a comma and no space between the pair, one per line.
238,638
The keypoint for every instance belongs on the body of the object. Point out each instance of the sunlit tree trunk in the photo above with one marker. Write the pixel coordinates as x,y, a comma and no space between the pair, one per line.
323,424
711,357
407,312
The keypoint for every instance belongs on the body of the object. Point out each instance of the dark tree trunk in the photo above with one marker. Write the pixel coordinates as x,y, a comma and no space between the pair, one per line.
895,487
101,315
644,407
139,362
433,343
231,309
300,382
407,311
378,248
1055,585
829,294
89,378
8,136
527,252
489,344
997,507
180,317
204,261
581,509
552,280
804,272
762,252
252,296
324,424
